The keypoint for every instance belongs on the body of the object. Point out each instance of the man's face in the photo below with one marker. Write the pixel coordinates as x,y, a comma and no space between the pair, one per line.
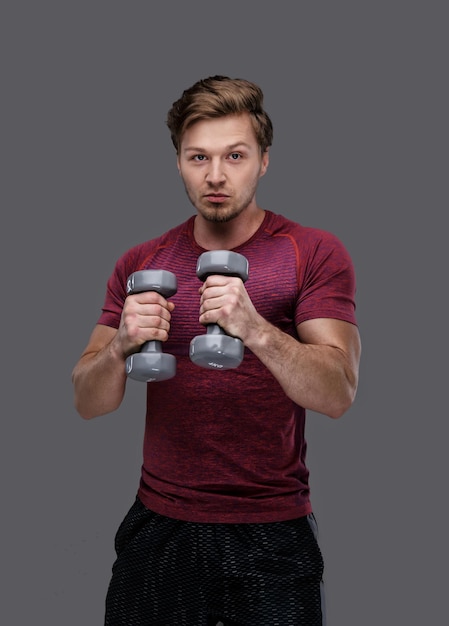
220,163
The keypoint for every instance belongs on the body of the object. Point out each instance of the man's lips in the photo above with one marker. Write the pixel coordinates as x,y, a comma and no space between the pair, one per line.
216,197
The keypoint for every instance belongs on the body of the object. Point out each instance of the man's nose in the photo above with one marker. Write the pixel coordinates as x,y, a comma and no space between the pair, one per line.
215,174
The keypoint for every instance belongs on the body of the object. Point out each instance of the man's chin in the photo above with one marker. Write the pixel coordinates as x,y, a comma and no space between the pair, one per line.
218,218
218,214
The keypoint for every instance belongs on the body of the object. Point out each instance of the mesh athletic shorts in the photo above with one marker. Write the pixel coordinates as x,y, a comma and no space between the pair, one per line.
175,573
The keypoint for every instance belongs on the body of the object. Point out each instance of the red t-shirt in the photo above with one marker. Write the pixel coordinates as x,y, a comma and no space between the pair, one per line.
228,446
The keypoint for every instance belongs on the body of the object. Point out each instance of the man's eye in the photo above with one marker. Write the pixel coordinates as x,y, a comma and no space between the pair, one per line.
199,157
235,156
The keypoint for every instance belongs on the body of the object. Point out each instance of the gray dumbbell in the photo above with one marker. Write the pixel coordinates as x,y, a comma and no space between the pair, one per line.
216,349
151,364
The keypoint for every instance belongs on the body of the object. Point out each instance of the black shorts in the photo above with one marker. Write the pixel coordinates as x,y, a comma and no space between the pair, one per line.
174,573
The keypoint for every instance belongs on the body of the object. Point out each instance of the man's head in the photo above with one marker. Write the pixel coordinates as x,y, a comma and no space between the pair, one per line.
219,96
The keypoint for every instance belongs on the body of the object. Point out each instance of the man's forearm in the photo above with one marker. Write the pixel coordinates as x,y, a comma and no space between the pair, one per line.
317,377
99,381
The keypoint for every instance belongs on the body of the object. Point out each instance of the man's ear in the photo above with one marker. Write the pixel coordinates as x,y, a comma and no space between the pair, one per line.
265,162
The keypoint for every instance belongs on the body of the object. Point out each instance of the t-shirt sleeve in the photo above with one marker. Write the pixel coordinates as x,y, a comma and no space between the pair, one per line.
327,282
136,258
115,293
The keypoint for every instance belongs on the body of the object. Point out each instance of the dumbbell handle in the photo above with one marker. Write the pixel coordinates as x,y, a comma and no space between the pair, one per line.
151,346
214,329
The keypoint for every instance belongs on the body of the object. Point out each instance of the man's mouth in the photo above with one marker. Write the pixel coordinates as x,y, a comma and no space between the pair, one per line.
216,198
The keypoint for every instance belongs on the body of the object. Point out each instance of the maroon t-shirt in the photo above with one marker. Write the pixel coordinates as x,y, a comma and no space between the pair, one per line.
228,446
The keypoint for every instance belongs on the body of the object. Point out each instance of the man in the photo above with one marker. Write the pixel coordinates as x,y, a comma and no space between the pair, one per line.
222,526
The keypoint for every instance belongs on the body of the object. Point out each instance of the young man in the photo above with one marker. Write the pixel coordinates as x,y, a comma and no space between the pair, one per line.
222,526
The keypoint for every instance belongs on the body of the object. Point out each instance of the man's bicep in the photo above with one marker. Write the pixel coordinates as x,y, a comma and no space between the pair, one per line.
334,333
101,336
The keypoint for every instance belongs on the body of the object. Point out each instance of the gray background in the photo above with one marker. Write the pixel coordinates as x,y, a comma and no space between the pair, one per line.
358,95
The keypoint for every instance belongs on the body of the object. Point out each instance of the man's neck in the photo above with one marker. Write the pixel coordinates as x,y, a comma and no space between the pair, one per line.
226,235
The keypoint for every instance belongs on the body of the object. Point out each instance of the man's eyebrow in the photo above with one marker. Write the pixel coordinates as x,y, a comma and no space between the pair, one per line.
234,146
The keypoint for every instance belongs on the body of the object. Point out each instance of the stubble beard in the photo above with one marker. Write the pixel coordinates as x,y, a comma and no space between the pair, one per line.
218,214
222,212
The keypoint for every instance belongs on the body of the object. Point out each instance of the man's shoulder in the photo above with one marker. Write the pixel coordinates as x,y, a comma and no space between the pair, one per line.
140,255
165,239
278,224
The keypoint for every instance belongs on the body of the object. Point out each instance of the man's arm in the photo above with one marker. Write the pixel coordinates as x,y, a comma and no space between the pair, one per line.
99,377
318,372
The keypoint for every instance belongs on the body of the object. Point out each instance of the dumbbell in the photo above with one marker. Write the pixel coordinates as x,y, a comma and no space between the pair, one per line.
215,349
150,363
